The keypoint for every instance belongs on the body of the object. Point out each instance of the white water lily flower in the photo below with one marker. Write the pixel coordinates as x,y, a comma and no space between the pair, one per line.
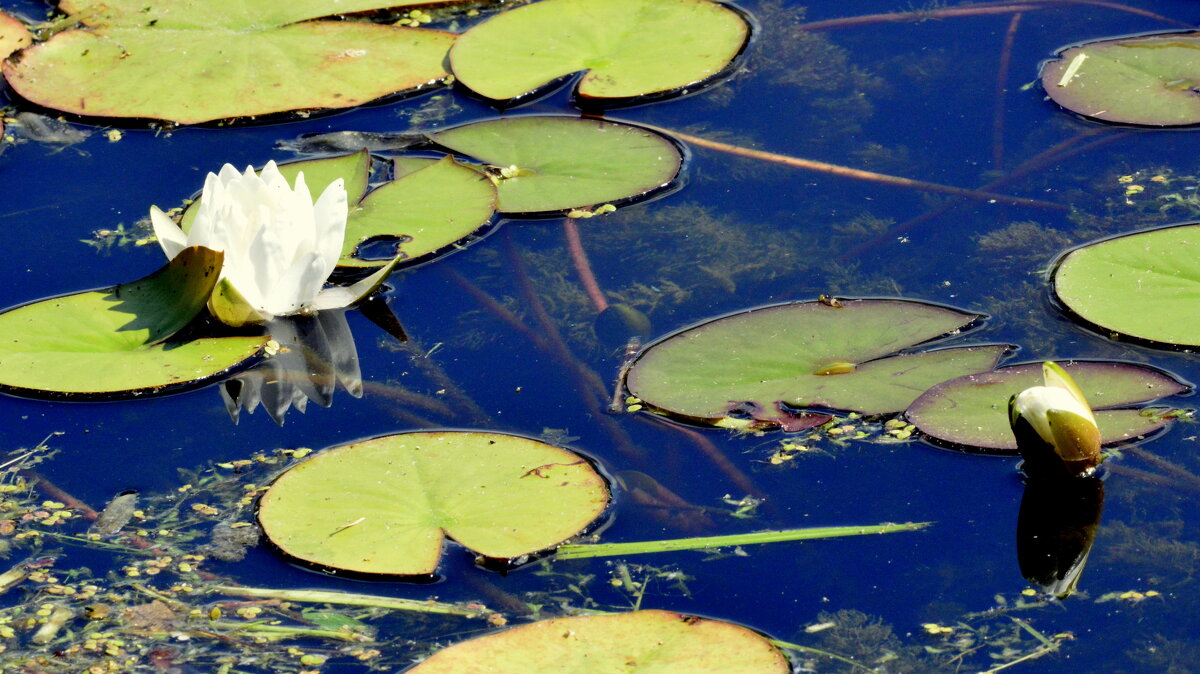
1061,418
280,247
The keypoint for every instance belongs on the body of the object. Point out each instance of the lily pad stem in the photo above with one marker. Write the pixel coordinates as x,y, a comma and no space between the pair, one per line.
859,174
1001,81
583,266
51,490
592,389
1051,155
979,9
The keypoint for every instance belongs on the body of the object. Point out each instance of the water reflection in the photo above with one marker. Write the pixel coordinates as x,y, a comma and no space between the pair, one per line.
315,353
1055,529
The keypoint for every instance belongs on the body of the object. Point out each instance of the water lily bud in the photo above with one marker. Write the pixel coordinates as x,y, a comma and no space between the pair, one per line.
1054,426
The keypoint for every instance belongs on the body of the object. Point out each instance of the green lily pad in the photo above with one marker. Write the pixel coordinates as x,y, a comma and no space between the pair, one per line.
1144,285
629,48
565,162
769,361
1148,80
639,642
426,210
972,411
383,506
191,61
13,35
118,342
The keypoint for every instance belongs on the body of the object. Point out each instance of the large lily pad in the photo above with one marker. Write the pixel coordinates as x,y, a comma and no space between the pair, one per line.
1148,80
629,48
117,342
13,35
423,212
192,61
767,361
564,162
972,411
383,506
1144,285
640,642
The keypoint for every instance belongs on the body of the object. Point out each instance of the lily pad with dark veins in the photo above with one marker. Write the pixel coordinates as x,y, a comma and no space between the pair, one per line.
1144,285
972,411
191,61
1147,80
770,361
119,342
626,48
385,506
639,642
545,165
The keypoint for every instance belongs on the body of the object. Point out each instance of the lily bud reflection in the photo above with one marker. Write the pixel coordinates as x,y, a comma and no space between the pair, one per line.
1055,429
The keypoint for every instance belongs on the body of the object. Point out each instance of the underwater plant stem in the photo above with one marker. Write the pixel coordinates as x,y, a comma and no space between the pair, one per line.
583,266
1177,472
979,9
787,645
587,550
421,360
351,599
859,174
53,491
496,309
1051,155
592,390
714,454
1010,37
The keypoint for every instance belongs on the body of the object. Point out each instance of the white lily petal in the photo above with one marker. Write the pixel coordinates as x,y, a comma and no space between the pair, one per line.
1033,403
170,236
280,247
330,213
295,291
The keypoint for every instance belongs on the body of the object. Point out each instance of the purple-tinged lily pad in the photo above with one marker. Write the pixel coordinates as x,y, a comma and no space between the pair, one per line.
13,36
1147,80
972,411
770,361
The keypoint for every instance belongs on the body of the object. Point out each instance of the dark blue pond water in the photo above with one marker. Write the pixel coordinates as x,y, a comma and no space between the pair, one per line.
910,99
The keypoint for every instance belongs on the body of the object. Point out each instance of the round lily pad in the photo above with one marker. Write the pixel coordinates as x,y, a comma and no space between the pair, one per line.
190,61
972,411
1148,80
1144,285
13,35
383,506
118,342
558,163
639,642
768,361
628,48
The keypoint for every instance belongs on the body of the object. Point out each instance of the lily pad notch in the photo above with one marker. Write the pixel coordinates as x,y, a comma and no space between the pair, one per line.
970,413
628,51
383,507
786,364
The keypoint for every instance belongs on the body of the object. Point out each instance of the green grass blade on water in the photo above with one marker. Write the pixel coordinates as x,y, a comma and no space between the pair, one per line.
575,551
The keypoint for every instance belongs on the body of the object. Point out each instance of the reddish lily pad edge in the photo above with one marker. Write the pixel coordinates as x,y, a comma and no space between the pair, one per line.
1183,388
